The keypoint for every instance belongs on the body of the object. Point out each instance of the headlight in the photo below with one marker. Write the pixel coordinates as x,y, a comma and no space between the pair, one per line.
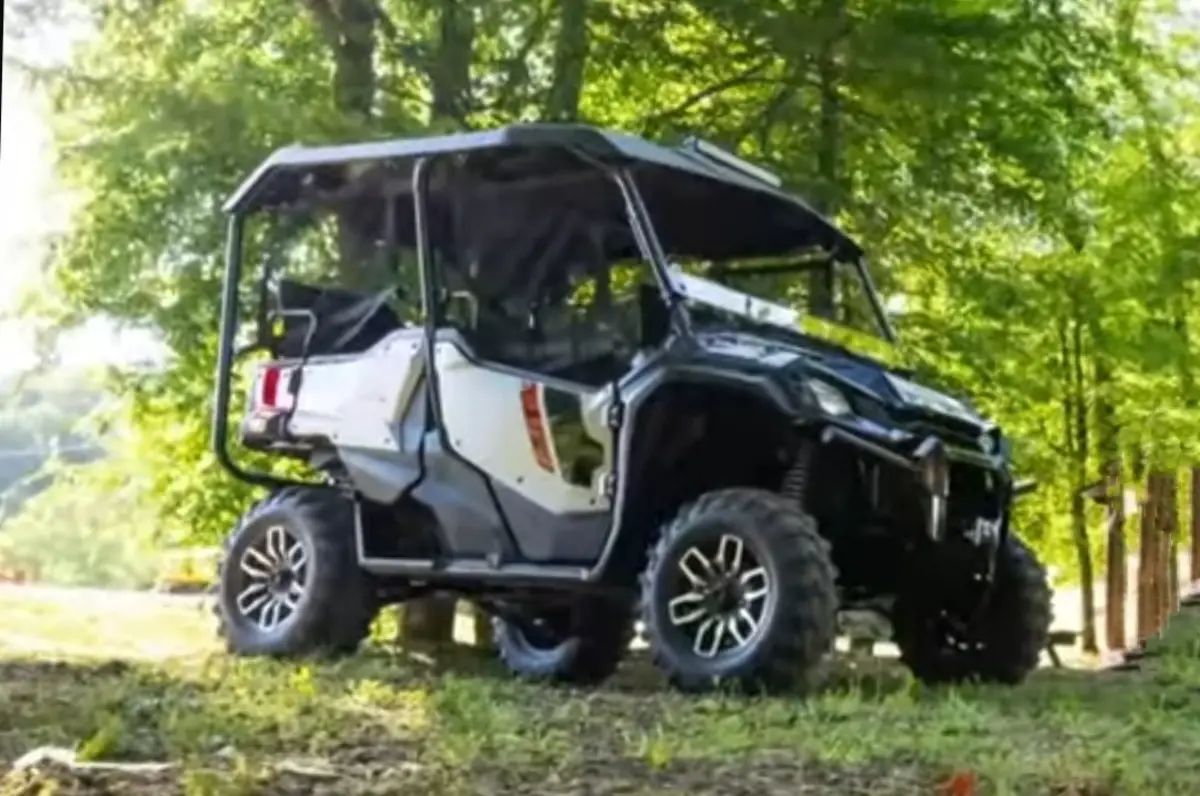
932,400
831,400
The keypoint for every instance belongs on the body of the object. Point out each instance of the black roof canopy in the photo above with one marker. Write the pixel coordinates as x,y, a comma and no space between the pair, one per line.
699,206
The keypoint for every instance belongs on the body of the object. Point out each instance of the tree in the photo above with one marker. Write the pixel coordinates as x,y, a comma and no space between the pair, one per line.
993,155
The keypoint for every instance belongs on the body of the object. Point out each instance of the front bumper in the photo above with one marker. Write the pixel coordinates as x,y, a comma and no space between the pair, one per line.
931,460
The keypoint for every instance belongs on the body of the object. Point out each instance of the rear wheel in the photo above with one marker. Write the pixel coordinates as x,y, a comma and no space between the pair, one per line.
581,644
289,582
1004,644
740,589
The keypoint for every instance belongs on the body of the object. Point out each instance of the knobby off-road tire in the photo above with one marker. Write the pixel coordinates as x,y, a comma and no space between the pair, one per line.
335,603
784,564
1006,645
585,649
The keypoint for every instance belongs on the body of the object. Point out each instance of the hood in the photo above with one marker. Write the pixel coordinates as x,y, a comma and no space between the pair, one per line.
778,343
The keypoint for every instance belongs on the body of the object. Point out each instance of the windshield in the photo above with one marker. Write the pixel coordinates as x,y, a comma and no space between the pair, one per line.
781,294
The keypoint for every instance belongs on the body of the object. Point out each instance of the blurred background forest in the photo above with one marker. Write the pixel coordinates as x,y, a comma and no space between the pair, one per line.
1025,173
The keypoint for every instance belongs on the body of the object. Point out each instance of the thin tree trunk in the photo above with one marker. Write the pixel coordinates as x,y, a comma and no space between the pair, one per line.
349,28
1109,449
1117,591
1170,547
451,77
1157,569
830,144
1079,529
1146,560
1075,439
1194,516
570,61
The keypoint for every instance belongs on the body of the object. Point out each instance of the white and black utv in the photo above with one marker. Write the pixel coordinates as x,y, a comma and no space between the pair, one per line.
557,401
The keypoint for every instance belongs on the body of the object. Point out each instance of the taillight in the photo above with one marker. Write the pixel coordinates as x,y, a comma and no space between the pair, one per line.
269,388
274,389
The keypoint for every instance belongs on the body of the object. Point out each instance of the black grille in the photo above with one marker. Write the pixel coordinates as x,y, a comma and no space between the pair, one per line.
974,493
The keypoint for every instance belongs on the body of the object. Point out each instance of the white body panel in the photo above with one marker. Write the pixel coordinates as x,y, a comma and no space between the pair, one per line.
484,420
357,401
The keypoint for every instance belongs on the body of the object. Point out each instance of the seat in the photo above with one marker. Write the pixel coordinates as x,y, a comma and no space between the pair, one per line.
324,321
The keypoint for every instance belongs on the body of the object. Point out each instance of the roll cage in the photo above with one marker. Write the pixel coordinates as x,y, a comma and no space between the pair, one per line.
745,212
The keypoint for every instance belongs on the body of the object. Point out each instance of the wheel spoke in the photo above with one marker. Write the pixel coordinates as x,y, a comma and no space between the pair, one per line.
271,614
297,557
696,567
709,636
734,623
294,593
686,608
755,583
253,597
277,539
255,564
747,616
729,553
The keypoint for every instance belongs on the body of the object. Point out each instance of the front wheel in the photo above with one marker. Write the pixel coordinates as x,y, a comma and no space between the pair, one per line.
740,589
1003,645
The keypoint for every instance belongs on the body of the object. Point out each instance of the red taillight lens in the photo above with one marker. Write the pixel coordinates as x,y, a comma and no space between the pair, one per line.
268,394
274,389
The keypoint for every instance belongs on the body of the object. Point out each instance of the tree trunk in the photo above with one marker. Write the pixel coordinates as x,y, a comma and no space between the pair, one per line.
1117,591
570,61
430,620
1075,435
1194,516
1083,547
451,74
1169,529
830,188
1146,560
1109,449
1087,579
1161,521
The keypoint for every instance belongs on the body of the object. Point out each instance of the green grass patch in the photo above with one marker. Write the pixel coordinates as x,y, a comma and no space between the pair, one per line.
384,722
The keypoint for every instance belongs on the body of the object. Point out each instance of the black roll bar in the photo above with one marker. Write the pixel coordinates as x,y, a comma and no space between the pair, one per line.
230,308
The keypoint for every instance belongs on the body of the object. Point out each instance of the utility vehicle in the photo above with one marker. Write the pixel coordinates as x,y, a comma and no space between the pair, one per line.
524,367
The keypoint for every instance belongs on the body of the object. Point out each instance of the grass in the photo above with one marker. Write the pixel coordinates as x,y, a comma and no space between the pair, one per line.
384,722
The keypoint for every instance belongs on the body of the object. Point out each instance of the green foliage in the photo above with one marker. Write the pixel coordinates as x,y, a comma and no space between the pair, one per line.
1023,173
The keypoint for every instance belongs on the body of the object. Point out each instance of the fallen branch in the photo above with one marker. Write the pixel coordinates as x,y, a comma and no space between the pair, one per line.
67,758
